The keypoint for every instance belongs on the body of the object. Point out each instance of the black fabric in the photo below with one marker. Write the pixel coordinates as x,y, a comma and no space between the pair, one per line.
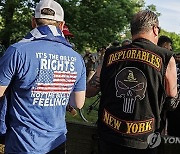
106,147
132,92
171,103
173,118
2,139
59,150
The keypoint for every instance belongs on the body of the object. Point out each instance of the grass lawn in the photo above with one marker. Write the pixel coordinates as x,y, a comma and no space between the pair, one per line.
92,116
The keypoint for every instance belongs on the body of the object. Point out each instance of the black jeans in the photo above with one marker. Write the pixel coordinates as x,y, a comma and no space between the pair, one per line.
61,149
106,147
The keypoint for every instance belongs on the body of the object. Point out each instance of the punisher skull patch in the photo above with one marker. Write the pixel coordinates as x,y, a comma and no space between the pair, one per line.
130,84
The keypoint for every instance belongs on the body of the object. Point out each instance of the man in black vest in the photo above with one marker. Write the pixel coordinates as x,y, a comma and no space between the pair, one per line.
135,80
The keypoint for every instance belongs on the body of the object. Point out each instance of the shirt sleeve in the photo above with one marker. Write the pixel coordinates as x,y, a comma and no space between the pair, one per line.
81,83
9,64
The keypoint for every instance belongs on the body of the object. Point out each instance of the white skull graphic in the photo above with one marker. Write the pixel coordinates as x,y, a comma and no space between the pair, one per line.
130,84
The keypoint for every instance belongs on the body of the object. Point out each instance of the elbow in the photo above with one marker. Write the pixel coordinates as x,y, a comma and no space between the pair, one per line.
80,105
173,94
80,102
78,99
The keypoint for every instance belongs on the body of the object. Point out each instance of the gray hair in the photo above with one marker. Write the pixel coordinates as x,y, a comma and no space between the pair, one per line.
143,21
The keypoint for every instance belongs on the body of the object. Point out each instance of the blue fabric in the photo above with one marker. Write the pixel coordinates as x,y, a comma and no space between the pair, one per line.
3,109
45,71
46,33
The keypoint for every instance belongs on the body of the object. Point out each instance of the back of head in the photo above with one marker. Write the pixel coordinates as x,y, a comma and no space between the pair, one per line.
49,9
177,58
162,39
116,43
143,21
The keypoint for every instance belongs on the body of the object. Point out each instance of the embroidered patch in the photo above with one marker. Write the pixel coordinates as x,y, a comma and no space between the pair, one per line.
130,84
140,55
127,127
48,11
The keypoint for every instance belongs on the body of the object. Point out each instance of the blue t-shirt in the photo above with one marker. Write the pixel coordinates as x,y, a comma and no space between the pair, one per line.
43,75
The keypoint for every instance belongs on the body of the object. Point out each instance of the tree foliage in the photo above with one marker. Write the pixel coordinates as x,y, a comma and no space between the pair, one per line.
94,23
175,39
153,8
15,20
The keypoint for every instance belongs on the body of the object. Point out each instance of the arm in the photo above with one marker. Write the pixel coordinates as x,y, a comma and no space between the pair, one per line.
90,75
171,78
2,90
7,68
77,99
172,99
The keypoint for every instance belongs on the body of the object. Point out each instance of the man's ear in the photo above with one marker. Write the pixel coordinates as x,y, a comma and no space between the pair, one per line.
155,31
33,22
61,25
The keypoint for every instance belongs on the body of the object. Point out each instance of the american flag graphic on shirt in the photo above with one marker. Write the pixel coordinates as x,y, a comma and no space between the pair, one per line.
55,81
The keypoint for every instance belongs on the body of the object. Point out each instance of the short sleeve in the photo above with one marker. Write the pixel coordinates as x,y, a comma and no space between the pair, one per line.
81,83
9,63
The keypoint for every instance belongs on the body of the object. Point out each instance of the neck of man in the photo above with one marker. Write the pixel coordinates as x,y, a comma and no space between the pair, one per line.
147,35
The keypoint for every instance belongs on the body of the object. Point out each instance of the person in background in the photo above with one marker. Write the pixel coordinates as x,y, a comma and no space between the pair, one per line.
42,74
115,43
174,116
126,42
67,33
90,62
135,80
165,42
93,60
100,55
171,127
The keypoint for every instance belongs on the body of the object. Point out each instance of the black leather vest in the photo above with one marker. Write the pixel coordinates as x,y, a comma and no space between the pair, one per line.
133,92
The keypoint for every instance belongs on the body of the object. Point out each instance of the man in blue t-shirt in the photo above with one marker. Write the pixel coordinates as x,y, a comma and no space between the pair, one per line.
41,74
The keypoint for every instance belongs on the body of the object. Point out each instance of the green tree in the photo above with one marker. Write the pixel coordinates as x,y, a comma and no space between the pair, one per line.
175,39
93,22
96,23
153,8
15,20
